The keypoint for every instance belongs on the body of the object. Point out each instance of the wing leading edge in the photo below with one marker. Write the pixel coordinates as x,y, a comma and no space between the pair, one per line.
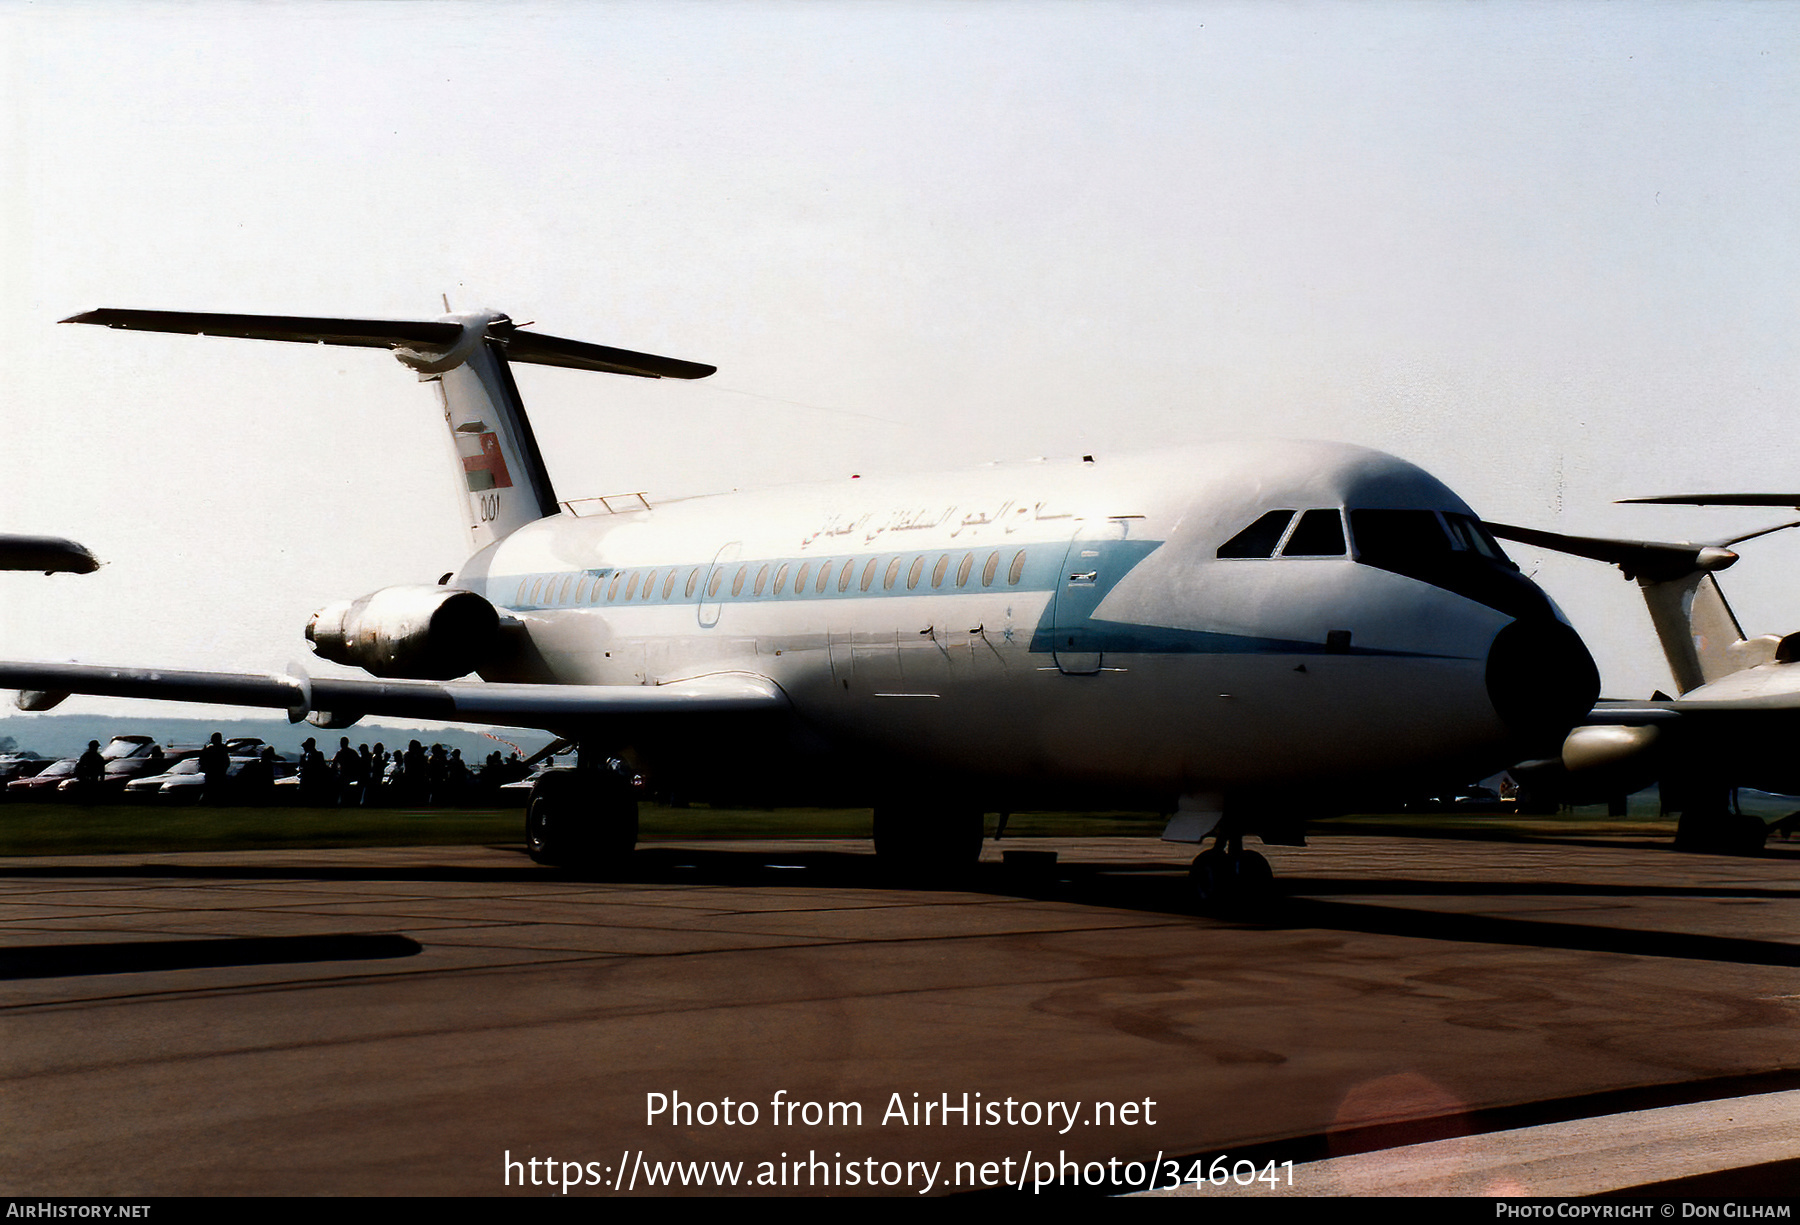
547,707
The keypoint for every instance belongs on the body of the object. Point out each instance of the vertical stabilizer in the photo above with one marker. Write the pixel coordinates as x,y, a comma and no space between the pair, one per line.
1700,634
501,473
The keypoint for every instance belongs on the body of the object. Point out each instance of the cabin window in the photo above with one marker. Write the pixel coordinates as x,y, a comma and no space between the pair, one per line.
1017,570
844,574
562,597
537,593
937,571
649,584
1260,538
1319,534
893,572
631,585
581,589
693,580
800,578
613,587
962,570
912,575
762,578
712,585
988,571
780,580
669,583
523,583
824,577
869,572
737,580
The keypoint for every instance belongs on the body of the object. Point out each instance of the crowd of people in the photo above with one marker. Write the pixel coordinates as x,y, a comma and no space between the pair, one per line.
415,777
247,771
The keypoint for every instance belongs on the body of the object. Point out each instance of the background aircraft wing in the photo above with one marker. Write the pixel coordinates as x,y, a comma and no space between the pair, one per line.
47,553
548,707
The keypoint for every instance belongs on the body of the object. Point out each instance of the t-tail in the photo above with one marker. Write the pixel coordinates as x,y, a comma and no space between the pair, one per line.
468,355
1699,634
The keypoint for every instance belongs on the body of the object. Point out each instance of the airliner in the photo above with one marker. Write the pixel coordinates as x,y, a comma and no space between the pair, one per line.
1242,635
1736,714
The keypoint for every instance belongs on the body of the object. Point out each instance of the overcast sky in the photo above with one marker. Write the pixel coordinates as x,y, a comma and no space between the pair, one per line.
1547,251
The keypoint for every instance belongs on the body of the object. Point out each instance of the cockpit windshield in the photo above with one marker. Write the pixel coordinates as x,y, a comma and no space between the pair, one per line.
1447,549
1319,533
1406,541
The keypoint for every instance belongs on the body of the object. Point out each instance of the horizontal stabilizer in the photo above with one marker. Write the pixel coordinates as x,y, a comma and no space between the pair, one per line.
519,346
537,706
1721,499
580,355
1652,561
367,333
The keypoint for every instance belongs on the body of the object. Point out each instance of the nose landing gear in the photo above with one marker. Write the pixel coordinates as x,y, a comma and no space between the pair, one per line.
1229,881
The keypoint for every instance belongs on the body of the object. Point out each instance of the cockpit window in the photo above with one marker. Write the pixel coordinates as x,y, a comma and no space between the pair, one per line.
1319,534
1398,540
1449,550
1260,538
1473,535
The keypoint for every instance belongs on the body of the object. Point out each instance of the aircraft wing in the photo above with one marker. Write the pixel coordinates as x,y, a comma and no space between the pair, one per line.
547,707
47,553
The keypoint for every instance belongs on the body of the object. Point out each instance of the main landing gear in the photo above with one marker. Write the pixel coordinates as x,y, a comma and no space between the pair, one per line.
1711,820
1228,880
919,840
582,818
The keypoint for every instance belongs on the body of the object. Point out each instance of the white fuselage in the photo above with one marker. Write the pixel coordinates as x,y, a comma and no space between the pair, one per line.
1034,623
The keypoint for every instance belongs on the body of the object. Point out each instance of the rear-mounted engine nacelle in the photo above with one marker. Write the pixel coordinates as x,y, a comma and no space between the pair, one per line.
417,633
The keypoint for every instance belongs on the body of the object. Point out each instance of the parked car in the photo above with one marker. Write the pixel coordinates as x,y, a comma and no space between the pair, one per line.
45,783
185,784
21,765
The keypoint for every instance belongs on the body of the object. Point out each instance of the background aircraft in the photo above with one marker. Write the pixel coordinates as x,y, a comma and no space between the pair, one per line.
1241,634
1736,716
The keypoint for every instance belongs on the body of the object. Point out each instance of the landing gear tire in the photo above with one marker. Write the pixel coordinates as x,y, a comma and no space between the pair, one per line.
584,819
1230,883
925,842
1721,833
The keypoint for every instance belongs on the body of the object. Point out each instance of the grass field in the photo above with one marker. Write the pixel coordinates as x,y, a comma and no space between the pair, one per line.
59,829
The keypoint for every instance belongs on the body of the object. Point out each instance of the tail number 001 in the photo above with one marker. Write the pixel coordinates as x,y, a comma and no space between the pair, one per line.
490,507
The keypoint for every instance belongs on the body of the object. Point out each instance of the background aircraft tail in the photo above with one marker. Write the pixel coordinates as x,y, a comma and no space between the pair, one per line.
501,474
1700,635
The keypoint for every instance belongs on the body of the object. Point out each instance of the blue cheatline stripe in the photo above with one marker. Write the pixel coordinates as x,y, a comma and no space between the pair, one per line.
559,589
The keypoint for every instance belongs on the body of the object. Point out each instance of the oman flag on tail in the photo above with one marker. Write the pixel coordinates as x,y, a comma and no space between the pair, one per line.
484,465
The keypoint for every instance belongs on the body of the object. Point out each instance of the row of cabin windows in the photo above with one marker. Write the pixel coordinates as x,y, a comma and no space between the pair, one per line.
596,589
1382,536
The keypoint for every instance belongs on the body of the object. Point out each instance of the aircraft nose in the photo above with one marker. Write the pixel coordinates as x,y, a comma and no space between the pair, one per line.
1542,682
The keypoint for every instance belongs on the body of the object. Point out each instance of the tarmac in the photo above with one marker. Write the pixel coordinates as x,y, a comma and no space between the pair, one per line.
1413,1016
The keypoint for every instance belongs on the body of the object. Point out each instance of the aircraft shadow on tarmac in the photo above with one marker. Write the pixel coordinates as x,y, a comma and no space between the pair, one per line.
143,956
1301,902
